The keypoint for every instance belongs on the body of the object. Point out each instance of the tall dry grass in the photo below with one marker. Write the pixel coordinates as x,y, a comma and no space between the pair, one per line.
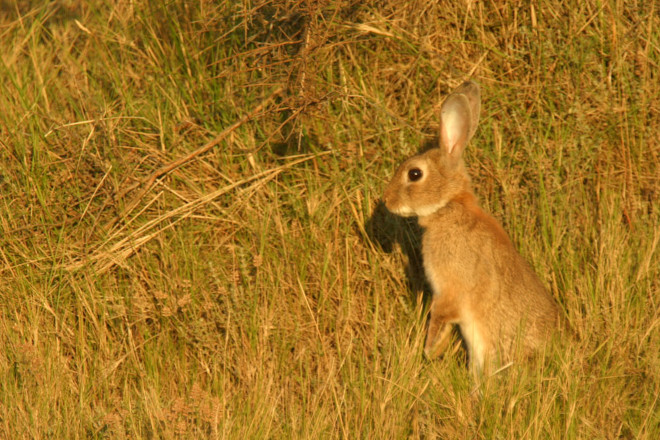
191,241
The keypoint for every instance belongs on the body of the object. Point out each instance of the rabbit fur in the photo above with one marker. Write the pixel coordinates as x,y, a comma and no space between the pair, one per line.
478,279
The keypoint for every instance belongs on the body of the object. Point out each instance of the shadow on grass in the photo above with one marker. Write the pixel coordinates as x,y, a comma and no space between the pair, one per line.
388,230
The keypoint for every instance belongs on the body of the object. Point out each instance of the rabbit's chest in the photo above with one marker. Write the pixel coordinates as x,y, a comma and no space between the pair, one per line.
446,260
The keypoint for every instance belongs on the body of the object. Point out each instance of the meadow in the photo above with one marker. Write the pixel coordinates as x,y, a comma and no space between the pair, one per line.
192,243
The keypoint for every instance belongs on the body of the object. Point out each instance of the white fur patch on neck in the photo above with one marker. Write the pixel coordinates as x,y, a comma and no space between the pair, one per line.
403,211
423,211
431,209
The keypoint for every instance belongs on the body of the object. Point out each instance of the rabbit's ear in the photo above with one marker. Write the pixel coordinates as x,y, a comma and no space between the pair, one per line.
458,118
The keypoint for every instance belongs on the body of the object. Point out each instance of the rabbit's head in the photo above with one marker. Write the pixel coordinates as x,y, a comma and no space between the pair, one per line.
427,182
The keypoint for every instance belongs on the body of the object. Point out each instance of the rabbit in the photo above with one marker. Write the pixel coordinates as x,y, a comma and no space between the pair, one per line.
478,279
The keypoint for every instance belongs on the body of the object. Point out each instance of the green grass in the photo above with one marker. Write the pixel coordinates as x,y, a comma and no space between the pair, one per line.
257,290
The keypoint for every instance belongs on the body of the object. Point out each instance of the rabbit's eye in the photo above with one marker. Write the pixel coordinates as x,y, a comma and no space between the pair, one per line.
414,174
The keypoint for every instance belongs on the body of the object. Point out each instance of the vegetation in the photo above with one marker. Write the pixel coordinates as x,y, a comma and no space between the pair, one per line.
191,240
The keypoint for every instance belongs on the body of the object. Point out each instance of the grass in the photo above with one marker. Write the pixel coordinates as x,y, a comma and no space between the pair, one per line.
170,268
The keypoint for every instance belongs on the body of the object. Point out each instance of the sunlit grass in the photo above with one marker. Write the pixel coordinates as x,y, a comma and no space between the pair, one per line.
258,289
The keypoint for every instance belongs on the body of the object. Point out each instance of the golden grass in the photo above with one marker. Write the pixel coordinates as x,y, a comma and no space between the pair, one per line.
175,264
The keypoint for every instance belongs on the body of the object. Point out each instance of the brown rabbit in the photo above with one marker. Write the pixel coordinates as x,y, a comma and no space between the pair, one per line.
478,279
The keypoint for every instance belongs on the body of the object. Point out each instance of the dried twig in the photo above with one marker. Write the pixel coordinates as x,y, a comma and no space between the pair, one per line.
150,180
122,247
